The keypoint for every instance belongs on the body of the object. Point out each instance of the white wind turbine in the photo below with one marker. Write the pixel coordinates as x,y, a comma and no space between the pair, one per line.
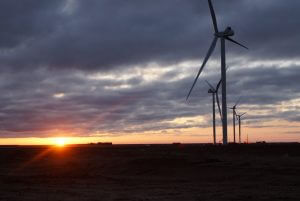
214,92
233,118
225,35
239,120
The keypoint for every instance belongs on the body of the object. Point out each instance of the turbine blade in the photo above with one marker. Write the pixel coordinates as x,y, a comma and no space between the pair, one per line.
243,114
230,39
210,50
218,85
218,103
211,87
213,16
220,82
237,102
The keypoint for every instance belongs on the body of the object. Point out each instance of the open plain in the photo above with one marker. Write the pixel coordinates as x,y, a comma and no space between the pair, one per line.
150,172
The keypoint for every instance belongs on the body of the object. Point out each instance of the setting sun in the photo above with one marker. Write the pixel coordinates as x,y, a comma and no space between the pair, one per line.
60,142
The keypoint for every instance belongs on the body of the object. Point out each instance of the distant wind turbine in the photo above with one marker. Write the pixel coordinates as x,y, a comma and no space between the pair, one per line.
225,35
233,118
239,119
214,92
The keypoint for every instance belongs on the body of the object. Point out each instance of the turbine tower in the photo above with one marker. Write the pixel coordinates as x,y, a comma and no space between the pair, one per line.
233,118
224,35
239,119
214,92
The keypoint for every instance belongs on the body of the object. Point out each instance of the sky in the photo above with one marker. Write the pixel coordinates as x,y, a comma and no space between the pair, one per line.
114,70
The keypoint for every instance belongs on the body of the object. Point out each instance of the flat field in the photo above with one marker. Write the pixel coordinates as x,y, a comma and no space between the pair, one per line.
150,172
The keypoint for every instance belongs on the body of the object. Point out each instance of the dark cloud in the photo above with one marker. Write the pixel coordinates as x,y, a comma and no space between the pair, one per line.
103,35
22,22
265,85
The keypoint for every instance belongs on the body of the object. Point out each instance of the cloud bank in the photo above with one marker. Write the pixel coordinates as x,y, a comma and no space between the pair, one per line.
113,67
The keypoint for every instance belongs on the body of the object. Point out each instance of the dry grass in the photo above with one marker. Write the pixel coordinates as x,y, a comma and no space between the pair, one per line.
140,173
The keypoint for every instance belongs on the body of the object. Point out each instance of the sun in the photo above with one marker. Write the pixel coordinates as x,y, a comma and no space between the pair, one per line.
60,142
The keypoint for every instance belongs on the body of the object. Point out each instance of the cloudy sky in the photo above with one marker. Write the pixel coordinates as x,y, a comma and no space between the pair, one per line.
115,68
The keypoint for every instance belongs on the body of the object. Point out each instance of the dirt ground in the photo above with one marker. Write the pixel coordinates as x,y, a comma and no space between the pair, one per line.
150,172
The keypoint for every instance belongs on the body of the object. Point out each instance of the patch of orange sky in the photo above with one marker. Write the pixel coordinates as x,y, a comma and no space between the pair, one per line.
285,132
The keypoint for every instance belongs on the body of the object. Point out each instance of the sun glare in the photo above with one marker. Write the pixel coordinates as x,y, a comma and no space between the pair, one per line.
60,142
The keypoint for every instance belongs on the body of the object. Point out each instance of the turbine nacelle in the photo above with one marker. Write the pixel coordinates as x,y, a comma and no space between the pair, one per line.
228,32
210,91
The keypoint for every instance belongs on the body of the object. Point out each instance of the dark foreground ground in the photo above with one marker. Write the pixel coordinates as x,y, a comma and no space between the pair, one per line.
160,172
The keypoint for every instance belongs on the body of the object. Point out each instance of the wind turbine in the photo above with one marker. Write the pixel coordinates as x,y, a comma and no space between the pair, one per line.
239,119
233,117
225,35
214,92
